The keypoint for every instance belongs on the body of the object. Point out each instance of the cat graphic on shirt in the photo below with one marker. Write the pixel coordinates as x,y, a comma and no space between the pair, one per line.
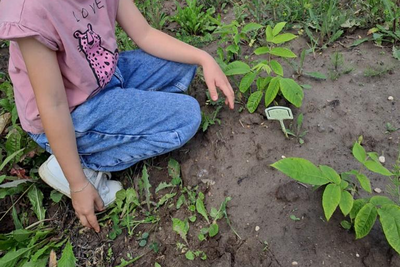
102,61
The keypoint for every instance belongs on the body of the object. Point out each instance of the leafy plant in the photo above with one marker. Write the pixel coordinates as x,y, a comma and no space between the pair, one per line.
193,20
154,12
233,35
340,190
337,61
326,19
31,247
274,81
296,129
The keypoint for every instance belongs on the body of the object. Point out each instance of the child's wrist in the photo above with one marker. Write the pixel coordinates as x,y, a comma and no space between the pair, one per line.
205,58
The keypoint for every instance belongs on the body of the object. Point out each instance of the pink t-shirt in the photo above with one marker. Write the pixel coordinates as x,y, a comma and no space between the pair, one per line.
82,32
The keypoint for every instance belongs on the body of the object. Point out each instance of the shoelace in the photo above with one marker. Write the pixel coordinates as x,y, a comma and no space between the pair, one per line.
99,180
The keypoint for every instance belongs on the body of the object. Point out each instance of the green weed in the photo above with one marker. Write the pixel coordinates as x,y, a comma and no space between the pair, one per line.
154,12
193,20
296,130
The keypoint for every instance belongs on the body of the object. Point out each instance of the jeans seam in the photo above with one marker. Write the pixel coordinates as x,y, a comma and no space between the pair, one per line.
122,134
181,86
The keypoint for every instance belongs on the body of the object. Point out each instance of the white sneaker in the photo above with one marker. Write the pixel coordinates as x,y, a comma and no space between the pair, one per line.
51,174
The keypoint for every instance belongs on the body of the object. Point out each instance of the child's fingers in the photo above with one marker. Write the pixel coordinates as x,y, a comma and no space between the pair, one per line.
91,218
228,92
213,90
99,204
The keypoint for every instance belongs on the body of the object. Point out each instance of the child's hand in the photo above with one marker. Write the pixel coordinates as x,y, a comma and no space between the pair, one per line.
85,203
214,78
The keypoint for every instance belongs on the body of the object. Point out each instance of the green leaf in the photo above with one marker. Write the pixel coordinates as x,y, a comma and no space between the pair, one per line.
316,75
330,174
359,41
294,218
262,50
396,53
201,209
269,33
262,83
276,67
9,158
247,81
344,185
301,170
146,186
292,91
251,27
381,200
201,237
165,198
282,52
357,206
377,167
346,224
67,258
157,264
237,68
359,152
174,169
364,182
365,220
254,101
180,202
36,198
278,28
12,257
56,196
283,38
331,199
163,185
181,227
346,203
272,91
17,222
213,230
189,255
143,243
389,216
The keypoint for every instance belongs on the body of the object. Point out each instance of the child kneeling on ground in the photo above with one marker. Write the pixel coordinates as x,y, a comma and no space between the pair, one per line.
94,109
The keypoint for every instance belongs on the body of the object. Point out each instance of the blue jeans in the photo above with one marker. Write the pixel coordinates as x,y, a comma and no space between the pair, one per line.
140,114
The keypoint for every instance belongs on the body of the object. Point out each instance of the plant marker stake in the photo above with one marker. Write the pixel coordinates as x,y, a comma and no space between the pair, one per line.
280,113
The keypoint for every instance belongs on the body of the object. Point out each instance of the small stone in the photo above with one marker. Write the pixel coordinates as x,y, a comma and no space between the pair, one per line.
295,263
382,159
284,157
257,228
357,255
378,190
390,98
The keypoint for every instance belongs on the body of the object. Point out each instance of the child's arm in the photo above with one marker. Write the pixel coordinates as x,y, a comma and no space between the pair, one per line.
51,99
164,46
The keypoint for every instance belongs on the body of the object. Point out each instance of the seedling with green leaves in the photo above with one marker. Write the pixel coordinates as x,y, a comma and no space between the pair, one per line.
340,191
193,20
296,129
234,35
268,73
337,70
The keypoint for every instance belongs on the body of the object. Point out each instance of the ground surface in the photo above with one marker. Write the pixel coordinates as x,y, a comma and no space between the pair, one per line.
237,154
